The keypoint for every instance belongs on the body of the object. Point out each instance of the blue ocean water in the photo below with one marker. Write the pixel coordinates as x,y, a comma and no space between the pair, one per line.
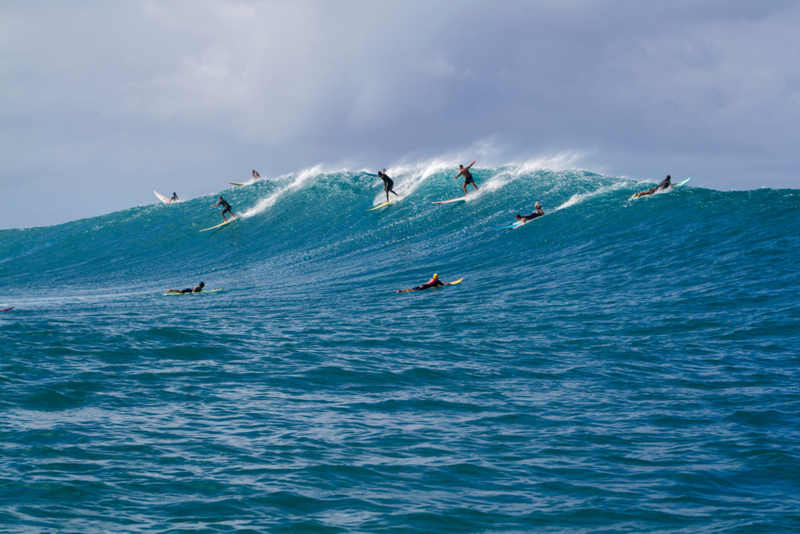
614,366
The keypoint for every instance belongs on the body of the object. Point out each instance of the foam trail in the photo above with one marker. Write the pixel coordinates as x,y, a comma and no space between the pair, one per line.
297,183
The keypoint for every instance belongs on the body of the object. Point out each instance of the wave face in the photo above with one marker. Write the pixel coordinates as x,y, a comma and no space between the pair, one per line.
625,365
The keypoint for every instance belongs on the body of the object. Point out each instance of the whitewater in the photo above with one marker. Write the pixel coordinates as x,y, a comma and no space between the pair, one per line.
617,365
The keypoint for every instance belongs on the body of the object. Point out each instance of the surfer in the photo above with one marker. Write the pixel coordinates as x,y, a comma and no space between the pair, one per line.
174,197
467,177
227,209
197,289
388,184
256,176
532,216
433,282
665,184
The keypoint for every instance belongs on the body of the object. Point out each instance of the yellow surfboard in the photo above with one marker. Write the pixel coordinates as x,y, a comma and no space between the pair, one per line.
217,226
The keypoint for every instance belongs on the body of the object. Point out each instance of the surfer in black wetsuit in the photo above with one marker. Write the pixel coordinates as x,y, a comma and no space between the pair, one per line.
468,179
174,197
665,184
197,289
388,184
256,175
227,209
433,282
538,213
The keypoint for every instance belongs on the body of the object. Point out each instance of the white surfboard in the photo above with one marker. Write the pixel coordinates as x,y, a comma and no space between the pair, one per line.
161,197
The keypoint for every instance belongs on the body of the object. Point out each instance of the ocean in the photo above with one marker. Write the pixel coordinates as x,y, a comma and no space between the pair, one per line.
617,365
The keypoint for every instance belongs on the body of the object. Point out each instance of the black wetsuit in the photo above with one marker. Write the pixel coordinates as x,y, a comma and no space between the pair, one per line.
526,218
388,183
224,204
430,283
665,183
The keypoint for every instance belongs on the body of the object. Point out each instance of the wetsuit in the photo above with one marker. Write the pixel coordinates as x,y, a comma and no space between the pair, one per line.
665,184
388,183
532,216
433,282
174,198
224,204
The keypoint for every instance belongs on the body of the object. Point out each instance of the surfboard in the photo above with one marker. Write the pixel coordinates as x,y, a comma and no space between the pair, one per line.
240,184
204,291
162,198
11,308
459,199
368,173
515,225
673,185
382,205
682,183
217,226
454,283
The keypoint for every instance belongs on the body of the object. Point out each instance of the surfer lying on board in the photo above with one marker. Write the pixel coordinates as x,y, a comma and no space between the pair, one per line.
433,282
227,207
532,216
256,175
388,184
665,184
174,197
468,179
197,289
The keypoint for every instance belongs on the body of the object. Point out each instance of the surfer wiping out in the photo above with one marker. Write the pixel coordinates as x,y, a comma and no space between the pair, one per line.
197,289
256,175
174,197
388,184
538,213
468,179
227,209
665,184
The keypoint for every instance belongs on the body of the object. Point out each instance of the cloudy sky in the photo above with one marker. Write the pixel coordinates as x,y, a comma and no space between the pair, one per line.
103,102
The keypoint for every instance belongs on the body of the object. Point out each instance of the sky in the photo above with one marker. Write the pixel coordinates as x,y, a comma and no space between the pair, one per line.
103,102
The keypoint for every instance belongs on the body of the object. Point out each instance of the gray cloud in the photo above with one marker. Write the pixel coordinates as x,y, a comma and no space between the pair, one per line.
102,102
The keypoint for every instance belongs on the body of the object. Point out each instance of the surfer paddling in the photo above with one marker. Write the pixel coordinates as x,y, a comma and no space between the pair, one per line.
468,179
525,218
227,209
197,289
388,184
665,184
433,282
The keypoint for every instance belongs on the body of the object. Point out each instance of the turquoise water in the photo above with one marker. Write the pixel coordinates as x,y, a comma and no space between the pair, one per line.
615,366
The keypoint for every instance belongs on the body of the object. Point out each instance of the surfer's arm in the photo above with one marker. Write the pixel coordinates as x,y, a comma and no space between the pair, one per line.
471,164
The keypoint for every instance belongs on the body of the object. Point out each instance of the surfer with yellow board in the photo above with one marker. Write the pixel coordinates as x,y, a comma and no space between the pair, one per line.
222,202
388,184
433,282
197,289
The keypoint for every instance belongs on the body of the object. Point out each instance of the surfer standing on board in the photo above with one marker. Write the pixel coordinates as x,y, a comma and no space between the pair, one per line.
538,213
665,184
467,177
388,184
256,175
197,289
227,209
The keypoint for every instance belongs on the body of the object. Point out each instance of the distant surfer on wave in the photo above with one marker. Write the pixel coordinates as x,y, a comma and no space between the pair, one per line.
538,213
227,209
174,197
197,289
665,184
433,282
468,179
388,184
256,176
